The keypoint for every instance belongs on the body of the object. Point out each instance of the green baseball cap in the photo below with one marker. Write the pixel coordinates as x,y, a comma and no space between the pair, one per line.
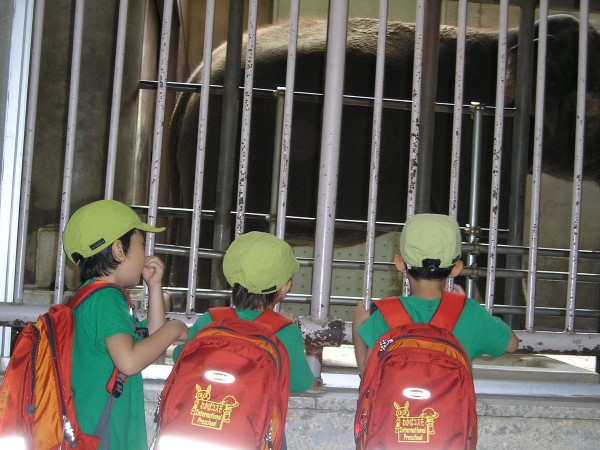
260,262
430,236
97,225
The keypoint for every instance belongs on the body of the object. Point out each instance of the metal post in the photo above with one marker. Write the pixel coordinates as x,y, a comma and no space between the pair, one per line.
520,152
228,137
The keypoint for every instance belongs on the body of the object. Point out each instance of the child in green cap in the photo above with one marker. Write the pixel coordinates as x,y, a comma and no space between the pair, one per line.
430,247
106,241
259,267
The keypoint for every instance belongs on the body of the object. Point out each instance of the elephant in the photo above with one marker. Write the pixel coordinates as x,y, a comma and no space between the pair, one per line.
355,147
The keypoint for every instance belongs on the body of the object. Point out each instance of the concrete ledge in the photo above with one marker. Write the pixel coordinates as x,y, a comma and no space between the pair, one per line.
324,418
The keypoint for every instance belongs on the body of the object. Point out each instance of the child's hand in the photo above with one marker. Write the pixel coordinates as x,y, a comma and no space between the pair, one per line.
458,289
153,271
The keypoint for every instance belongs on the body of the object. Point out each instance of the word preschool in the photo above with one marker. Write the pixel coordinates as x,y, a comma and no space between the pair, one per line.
416,428
210,414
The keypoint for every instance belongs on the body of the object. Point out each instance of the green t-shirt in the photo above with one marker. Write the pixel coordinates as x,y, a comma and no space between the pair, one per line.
478,331
102,315
301,377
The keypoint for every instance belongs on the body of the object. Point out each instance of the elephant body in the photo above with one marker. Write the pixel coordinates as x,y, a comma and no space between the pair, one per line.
355,148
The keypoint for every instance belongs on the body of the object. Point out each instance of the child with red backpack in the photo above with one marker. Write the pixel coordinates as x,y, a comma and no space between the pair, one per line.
408,343
231,381
106,240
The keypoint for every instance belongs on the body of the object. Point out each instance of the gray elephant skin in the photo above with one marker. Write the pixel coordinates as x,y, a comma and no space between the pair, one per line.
353,182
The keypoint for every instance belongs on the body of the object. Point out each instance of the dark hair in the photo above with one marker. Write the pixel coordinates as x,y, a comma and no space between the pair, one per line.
241,298
430,271
103,262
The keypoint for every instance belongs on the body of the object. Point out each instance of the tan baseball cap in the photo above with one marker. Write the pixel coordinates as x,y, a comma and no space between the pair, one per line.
260,262
95,226
430,236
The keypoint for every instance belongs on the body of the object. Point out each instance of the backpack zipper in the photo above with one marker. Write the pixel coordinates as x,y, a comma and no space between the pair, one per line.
33,356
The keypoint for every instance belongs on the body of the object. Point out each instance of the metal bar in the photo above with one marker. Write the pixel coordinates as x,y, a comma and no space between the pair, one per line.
415,129
228,138
375,153
275,170
113,133
200,156
578,164
70,147
473,228
246,118
159,117
497,157
520,148
32,102
461,38
428,88
537,165
330,150
288,109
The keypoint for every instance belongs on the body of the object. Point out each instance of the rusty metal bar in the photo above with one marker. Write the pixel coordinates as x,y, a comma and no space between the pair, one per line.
200,156
375,153
70,147
497,157
461,38
246,118
113,133
578,164
159,118
288,108
537,165
275,170
330,150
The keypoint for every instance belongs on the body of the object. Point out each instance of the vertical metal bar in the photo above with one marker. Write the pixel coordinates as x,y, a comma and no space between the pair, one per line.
413,162
578,164
246,118
278,130
461,38
330,150
428,88
32,101
477,110
70,147
497,155
375,152
227,140
209,21
113,133
458,102
520,152
12,157
288,108
536,186
159,118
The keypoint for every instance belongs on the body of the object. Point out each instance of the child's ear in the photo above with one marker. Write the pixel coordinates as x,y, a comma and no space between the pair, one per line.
399,263
117,251
283,292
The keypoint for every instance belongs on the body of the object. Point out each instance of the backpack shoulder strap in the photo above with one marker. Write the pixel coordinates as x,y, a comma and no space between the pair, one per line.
84,292
449,310
272,321
221,313
393,312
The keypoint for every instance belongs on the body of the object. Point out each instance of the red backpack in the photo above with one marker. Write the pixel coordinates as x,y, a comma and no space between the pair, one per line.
37,410
417,386
229,386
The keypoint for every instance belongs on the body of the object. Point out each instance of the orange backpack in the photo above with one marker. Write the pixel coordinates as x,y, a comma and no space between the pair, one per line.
229,387
37,410
417,389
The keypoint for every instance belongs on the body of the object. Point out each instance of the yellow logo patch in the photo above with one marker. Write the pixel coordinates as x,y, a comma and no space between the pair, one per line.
415,429
210,414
